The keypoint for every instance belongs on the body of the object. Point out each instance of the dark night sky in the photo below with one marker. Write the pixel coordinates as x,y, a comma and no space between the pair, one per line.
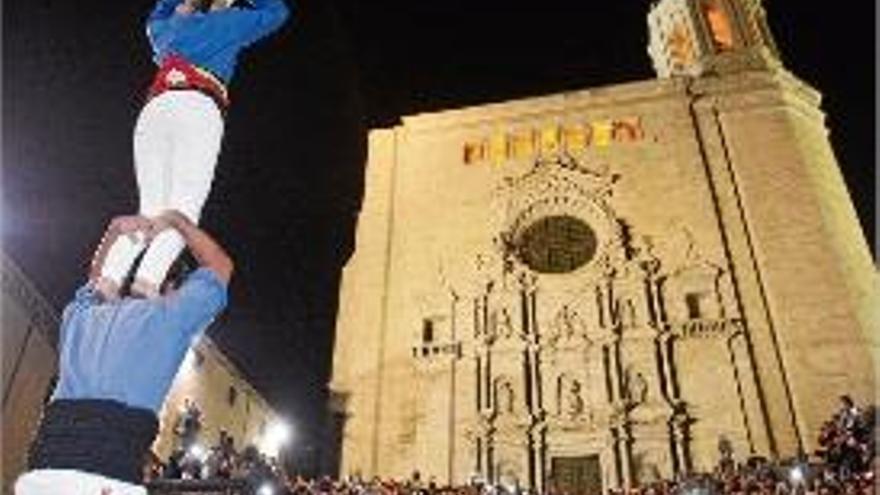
289,181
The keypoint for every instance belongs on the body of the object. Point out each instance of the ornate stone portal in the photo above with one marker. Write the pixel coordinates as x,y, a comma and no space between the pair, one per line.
557,308
583,366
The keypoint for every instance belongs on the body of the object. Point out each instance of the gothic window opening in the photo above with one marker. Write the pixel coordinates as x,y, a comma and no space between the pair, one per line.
427,331
693,302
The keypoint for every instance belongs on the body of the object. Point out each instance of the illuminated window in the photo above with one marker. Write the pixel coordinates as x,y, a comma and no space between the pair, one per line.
719,25
575,138
626,130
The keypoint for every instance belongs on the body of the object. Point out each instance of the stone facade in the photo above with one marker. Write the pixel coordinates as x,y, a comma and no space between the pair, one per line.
592,289
30,335
223,395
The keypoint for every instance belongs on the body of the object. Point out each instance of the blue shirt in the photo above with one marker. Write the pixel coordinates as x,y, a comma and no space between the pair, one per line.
129,350
212,40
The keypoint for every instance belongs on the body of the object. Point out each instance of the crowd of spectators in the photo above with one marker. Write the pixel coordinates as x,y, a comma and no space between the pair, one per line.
846,464
191,462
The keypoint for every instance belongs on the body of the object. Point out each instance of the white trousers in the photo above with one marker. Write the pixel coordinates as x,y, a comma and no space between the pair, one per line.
72,482
176,142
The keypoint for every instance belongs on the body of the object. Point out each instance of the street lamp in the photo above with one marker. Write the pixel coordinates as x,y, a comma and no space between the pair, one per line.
276,436
198,452
798,474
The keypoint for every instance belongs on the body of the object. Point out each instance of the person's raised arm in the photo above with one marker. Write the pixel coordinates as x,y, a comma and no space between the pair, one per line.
207,252
247,25
158,20
163,10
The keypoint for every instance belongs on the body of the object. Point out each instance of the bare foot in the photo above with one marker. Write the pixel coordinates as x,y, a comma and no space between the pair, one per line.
108,289
142,288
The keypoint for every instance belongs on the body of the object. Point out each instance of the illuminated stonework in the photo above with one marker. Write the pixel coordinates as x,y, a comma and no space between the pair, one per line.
704,37
30,333
531,143
719,25
227,400
537,303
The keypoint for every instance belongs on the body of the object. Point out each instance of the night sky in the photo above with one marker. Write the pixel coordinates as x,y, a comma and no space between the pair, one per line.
290,177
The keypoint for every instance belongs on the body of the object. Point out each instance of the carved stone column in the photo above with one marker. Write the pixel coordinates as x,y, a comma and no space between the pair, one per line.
622,452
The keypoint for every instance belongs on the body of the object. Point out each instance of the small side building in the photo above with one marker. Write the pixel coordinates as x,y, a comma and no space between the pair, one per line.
30,334
224,396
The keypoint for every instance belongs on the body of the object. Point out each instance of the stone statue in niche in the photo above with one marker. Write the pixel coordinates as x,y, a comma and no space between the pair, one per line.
692,254
504,245
504,398
568,325
508,473
626,313
571,402
647,466
623,237
645,257
726,462
680,418
505,323
649,473
635,387
566,322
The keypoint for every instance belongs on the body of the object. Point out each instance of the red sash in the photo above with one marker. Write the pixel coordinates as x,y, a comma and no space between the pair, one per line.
177,73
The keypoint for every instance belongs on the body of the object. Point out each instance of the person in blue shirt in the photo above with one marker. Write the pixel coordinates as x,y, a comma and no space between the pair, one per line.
196,45
117,359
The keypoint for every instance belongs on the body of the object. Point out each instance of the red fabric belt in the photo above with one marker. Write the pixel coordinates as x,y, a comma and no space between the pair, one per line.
176,73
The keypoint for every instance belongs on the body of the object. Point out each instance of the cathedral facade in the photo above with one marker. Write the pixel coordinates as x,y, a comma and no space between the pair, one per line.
594,289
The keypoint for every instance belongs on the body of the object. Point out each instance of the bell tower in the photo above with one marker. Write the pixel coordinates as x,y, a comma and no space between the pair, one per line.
703,37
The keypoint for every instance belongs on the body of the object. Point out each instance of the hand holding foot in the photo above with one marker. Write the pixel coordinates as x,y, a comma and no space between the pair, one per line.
129,225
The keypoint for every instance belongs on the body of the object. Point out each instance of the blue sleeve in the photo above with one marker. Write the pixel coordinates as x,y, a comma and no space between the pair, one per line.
246,26
198,301
159,18
163,10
